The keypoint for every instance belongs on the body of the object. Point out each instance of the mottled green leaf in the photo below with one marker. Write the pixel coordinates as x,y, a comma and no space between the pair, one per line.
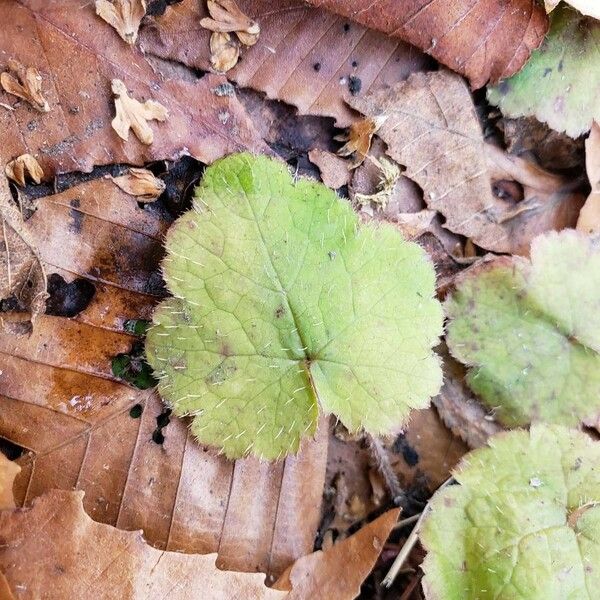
530,331
524,523
282,302
560,84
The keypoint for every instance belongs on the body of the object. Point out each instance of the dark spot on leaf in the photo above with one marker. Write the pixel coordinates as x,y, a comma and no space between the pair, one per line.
135,412
158,436
317,66
355,63
68,299
225,349
504,87
401,446
354,85
279,312
76,216
560,66
547,71
346,27
164,418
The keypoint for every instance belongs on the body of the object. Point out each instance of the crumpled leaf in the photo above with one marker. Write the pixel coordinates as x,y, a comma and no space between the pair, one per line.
25,83
482,39
522,524
561,82
586,7
98,433
226,17
21,167
358,139
589,217
333,169
141,183
301,307
8,471
79,136
224,52
132,114
389,175
339,571
530,331
71,552
320,51
430,131
124,16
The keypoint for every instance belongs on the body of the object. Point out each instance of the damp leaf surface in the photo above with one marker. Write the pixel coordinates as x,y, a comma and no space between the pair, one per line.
522,524
530,331
281,302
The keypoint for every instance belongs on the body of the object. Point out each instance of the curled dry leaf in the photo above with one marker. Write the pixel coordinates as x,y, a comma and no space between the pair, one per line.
339,571
589,218
389,175
81,426
358,138
224,51
22,166
132,114
334,170
71,552
8,471
141,183
25,83
124,15
464,177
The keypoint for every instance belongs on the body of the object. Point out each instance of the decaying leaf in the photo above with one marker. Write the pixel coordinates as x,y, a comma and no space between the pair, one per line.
132,114
25,83
124,16
482,40
522,524
589,217
586,7
561,82
226,17
320,51
8,471
25,165
71,552
83,428
530,331
334,170
323,314
141,183
389,175
358,138
339,571
80,135
224,51
429,130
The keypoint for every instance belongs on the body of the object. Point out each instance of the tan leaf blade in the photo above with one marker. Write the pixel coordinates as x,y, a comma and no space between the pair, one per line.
124,15
24,82
71,553
430,130
25,165
8,471
141,183
589,218
61,402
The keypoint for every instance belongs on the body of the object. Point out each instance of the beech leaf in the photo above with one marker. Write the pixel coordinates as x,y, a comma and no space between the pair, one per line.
522,524
530,331
282,302
561,82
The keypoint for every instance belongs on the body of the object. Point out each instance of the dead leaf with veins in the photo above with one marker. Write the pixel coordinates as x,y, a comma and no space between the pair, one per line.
132,114
141,183
589,217
358,138
124,16
21,167
25,83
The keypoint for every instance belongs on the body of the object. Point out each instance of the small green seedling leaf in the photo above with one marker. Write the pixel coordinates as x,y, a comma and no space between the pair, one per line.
530,331
523,524
281,302
560,84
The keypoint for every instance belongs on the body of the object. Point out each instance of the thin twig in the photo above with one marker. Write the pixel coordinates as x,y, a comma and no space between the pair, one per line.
381,462
411,541
408,521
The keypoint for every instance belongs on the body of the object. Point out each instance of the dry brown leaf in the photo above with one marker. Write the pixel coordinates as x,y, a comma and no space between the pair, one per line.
124,16
358,138
589,218
21,167
463,177
226,17
73,555
25,83
338,572
8,471
308,57
141,183
414,225
66,42
482,39
62,403
334,170
132,114
224,51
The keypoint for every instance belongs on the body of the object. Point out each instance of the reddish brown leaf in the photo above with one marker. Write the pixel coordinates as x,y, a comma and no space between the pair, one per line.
307,57
78,55
481,39
60,400
74,555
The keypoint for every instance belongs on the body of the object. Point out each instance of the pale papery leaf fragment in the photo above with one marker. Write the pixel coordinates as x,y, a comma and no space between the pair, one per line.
71,552
124,16
8,471
132,114
224,51
589,217
25,83
522,523
22,167
141,183
529,331
586,7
